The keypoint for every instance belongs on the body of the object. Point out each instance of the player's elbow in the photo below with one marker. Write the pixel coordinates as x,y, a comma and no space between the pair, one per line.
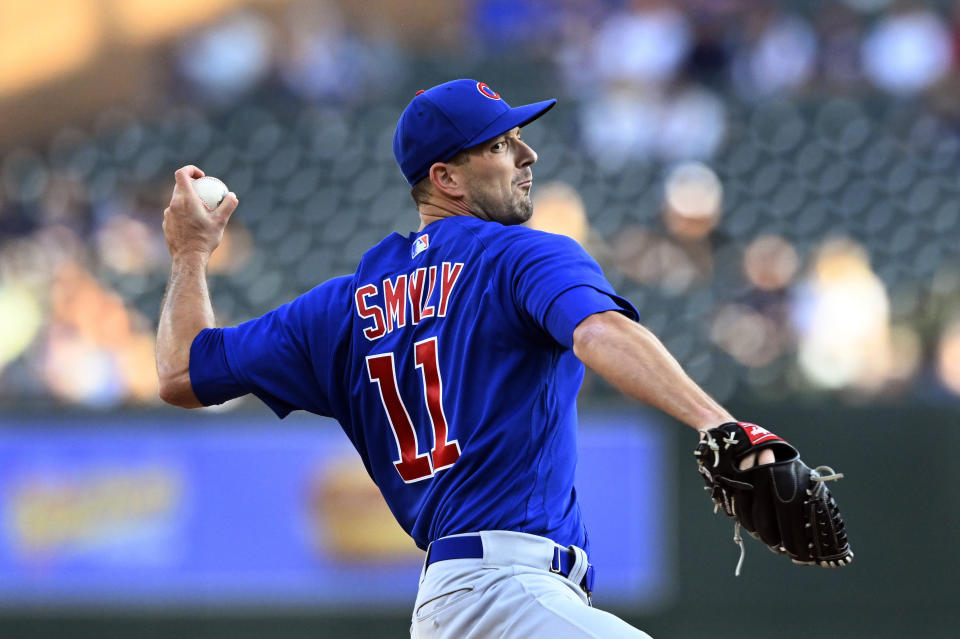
611,335
177,391
601,329
588,333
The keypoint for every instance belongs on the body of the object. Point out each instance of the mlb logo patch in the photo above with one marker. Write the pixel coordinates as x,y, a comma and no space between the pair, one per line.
420,245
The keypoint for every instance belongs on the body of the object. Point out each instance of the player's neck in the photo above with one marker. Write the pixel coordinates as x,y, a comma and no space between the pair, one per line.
433,211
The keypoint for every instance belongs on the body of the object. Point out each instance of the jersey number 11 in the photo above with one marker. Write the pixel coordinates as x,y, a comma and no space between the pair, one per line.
413,465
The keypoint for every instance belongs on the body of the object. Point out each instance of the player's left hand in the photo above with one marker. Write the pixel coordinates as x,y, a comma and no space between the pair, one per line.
187,224
758,480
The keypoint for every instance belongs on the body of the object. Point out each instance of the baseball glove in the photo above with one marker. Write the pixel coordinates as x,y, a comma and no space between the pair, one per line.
785,504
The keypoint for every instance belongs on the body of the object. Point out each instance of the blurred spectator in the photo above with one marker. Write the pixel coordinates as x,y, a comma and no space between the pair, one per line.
749,336
525,25
228,58
97,351
654,260
840,31
21,318
948,357
620,124
770,263
683,258
907,52
637,104
324,60
693,198
128,245
624,124
781,57
66,201
842,316
755,328
644,45
558,208
573,51
693,124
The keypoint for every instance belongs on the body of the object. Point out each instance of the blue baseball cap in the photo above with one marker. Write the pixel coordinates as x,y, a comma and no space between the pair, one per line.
442,121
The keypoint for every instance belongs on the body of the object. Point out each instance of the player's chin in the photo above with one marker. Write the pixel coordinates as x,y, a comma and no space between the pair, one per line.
519,215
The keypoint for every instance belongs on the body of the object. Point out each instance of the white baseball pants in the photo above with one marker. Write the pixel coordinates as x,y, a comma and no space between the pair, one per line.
509,593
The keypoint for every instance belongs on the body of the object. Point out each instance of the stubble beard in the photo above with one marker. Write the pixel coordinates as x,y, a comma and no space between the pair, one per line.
517,210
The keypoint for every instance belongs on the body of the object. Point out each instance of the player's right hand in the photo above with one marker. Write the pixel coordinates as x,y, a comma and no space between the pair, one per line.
187,225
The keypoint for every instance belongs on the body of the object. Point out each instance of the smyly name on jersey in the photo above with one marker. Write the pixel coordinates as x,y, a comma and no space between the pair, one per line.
408,298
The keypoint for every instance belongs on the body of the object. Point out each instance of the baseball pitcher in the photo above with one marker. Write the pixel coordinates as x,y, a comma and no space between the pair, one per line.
452,358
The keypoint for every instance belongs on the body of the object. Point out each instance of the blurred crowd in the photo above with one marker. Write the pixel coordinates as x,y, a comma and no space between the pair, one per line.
774,185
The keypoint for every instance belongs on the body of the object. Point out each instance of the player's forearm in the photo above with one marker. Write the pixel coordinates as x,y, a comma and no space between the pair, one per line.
186,310
632,358
193,232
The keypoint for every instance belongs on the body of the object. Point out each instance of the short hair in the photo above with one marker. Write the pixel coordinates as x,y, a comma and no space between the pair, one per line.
421,189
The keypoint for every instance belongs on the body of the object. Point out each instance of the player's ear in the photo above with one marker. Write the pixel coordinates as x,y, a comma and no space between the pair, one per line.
446,179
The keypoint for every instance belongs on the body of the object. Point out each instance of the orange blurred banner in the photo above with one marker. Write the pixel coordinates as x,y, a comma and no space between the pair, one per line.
42,40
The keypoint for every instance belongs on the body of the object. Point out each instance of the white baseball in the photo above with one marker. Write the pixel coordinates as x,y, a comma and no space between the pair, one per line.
211,191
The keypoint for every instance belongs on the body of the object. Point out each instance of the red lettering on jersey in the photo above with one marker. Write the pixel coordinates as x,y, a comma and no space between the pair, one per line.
444,453
378,329
412,466
415,290
427,310
448,278
395,301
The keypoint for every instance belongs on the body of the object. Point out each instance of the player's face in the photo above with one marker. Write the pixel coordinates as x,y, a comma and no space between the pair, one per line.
499,178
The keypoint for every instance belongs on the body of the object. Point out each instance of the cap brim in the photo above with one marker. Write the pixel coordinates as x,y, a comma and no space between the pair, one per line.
516,116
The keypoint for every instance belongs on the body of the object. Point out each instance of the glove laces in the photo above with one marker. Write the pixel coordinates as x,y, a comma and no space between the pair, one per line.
737,539
728,441
824,473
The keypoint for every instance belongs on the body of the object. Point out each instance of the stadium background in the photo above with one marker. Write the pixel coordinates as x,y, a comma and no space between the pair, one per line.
774,185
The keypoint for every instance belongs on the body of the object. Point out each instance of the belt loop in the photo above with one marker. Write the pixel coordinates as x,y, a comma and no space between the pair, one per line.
426,563
588,582
578,570
555,566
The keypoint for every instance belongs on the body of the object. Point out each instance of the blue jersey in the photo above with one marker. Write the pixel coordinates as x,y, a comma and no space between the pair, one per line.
447,360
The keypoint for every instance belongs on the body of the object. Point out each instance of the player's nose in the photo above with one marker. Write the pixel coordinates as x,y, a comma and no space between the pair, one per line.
525,154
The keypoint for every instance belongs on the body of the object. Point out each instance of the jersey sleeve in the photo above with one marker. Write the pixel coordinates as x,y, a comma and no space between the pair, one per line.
575,305
558,284
286,357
